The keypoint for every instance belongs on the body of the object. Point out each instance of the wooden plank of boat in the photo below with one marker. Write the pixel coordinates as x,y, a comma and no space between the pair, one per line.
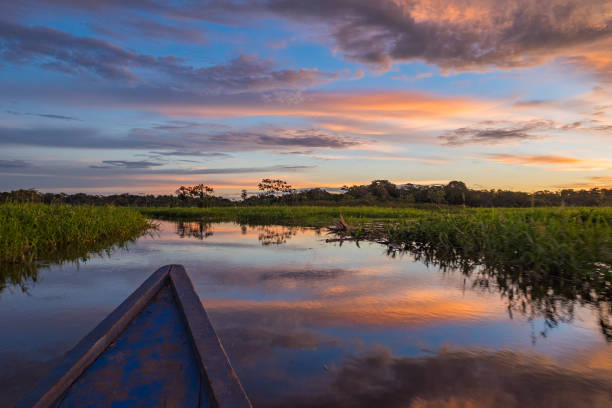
158,348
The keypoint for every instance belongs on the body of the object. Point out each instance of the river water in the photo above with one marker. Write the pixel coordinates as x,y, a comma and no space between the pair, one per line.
308,323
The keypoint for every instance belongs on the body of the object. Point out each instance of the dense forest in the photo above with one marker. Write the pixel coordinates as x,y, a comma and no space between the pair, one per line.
378,192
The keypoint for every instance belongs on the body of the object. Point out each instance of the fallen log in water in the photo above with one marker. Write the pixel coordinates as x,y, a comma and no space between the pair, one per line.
368,232
341,226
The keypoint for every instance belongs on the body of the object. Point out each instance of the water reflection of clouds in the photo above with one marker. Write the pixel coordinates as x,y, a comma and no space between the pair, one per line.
359,314
470,378
356,285
301,319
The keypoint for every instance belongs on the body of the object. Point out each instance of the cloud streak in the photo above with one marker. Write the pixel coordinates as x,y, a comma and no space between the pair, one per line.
43,115
13,164
490,132
560,162
61,51
190,141
141,164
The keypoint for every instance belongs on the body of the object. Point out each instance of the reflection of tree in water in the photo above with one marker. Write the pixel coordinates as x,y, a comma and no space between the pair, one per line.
275,235
194,229
532,294
18,275
23,275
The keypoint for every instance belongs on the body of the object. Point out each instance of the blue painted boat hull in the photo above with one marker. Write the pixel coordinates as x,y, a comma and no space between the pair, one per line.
157,349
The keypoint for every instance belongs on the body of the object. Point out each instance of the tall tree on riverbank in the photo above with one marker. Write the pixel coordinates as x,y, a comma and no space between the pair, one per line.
270,187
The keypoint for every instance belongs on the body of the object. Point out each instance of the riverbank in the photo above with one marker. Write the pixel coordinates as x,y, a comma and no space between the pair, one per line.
30,233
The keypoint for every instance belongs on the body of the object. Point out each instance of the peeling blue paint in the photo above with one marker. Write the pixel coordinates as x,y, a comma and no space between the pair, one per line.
152,363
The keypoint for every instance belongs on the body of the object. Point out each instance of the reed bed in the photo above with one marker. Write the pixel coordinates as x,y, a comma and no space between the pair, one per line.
33,233
570,250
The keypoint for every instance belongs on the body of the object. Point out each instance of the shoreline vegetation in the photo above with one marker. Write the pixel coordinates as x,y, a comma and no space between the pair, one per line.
32,235
541,259
569,247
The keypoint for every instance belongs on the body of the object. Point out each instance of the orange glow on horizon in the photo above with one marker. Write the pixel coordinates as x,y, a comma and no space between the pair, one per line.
366,106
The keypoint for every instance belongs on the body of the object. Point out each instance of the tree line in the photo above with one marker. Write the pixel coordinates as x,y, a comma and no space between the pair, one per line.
378,192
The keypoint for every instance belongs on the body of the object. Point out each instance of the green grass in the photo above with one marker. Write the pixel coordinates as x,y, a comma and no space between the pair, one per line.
306,216
563,251
35,233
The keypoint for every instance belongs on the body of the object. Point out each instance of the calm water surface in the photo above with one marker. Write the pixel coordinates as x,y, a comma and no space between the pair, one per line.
308,323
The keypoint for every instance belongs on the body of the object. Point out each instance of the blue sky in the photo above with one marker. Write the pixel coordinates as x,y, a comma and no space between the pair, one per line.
145,95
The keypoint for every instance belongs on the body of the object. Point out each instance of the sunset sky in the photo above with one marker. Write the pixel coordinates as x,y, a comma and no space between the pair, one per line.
141,96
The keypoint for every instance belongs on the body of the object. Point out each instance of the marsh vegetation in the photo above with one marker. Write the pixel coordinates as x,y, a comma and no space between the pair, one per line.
542,260
35,234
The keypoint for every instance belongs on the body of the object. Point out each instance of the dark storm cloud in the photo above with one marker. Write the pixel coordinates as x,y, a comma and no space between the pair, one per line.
60,51
487,134
42,115
453,34
457,34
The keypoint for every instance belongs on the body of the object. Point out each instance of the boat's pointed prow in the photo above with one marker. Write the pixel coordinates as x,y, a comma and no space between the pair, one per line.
158,348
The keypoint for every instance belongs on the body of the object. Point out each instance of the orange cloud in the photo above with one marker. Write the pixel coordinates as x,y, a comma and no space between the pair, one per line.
365,106
560,162
419,307
534,159
591,182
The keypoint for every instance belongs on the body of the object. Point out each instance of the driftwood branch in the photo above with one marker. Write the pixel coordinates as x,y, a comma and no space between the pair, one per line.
341,227
370,232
